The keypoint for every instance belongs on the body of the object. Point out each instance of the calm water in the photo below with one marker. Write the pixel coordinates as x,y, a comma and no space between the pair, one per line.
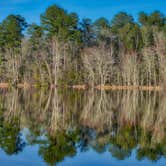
82,128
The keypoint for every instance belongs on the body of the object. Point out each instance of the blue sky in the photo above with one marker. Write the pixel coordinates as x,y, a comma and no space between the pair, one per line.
31,9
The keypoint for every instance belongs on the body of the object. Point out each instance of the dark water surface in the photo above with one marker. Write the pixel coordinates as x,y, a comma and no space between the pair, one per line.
82,128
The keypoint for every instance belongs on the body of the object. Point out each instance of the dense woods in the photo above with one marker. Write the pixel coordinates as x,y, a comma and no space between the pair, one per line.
64,50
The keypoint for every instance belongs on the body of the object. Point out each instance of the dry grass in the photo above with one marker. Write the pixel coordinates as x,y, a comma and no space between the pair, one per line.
4,85
79,87
20,85
98,87
23,85
116,87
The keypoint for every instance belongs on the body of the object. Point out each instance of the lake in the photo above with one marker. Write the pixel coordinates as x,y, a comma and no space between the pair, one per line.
65,127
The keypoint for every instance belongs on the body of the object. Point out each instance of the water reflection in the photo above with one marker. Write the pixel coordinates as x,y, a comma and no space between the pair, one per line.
62,121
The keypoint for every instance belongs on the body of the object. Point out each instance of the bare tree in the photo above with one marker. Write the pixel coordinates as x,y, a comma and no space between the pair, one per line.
130,71
98,62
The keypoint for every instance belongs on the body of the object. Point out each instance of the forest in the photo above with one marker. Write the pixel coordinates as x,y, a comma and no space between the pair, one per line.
65,51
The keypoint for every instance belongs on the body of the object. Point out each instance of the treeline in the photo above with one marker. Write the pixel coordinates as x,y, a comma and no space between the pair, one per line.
66,51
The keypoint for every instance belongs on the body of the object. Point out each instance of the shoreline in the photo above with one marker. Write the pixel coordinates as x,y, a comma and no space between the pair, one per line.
98,87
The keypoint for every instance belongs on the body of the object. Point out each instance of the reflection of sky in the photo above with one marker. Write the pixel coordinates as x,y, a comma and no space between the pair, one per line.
25,133
31,9
91,158
30,157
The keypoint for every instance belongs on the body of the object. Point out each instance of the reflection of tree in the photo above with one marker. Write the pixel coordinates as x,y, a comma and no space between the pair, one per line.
149,148
58,147
153,154
36,108
117,121
123,120
97,113
123,142
10,137
119,152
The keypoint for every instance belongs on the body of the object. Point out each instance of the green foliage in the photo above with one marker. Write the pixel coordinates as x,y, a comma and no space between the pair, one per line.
102,23
102,28
143,18
120,20
71,77
58,23
10,140
59,147
11,29
131,36
148,36
35,33
2,37
151,24
154,19
129,32
87,30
